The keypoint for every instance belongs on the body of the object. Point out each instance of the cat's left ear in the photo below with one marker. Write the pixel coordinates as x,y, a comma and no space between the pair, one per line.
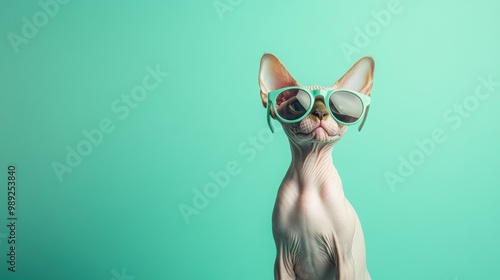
360,77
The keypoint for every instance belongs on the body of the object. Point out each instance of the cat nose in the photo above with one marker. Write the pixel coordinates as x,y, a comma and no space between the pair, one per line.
320,114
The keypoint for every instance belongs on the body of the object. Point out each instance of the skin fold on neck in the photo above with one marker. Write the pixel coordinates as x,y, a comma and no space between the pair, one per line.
312,168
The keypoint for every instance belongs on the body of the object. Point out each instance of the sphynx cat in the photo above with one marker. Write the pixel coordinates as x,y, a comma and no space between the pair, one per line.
317,232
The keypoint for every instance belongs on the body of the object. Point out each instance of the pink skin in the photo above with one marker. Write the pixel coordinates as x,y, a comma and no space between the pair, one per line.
317,232
311,204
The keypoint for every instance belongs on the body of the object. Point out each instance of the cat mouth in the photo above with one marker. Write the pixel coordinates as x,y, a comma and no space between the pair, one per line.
317,131
319,134
319,128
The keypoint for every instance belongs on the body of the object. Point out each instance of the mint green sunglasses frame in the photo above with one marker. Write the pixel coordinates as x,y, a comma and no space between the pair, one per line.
271,101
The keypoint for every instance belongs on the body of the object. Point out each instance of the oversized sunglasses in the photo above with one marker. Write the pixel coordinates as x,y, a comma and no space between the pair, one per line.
293,104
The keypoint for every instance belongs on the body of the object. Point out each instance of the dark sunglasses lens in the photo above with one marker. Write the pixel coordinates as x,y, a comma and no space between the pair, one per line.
346,106
292,104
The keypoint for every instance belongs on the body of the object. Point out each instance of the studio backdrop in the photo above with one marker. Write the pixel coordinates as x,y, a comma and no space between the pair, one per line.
134,144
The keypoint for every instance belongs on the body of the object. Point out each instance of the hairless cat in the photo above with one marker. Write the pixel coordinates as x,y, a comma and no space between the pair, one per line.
316,230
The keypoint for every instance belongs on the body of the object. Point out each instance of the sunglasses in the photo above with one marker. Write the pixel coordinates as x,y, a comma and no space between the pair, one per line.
293,104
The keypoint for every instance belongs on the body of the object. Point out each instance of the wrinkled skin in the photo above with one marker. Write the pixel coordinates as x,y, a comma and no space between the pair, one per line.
317,232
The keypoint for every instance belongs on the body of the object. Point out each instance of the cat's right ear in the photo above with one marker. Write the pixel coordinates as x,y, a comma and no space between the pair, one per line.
273,75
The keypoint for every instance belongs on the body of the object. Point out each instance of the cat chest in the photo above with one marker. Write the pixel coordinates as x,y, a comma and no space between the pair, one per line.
316,240
315,223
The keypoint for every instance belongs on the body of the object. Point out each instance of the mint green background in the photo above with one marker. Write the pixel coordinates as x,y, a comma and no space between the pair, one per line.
119,208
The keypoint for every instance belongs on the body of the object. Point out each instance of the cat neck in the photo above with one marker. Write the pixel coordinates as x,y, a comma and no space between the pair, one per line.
312,167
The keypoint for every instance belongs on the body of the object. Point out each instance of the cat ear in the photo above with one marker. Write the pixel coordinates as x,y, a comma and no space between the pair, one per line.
273,75
359,78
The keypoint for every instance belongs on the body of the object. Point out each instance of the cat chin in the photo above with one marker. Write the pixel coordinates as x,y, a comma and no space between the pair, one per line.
317,136
325,138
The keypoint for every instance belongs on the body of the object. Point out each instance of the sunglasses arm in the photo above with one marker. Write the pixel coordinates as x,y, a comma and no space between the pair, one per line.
269,116
364,118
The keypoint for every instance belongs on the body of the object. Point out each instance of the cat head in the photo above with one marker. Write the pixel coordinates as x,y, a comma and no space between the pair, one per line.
318,126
